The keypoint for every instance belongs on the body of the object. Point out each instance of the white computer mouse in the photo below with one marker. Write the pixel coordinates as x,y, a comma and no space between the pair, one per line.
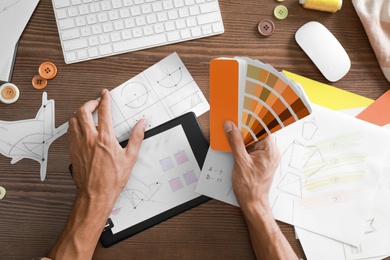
324,50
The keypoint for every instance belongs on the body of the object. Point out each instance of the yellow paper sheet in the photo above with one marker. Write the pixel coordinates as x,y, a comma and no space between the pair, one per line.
329,96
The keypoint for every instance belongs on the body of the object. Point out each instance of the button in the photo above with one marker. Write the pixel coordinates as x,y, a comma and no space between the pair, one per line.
47,70
266,27
38,82
281,12
9,93
2,192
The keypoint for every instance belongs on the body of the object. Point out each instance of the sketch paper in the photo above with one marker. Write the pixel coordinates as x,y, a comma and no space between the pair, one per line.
375,242
162,92
15,14
327,176
164,176
31,138
215,180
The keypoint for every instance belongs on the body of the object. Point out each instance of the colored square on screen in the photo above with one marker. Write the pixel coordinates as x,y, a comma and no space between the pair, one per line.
166,164
181,157
176,184
190,177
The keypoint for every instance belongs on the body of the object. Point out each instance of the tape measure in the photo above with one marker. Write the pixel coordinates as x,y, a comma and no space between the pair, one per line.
322,5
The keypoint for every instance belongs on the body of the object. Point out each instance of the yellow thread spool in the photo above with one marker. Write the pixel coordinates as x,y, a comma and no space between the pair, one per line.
322,5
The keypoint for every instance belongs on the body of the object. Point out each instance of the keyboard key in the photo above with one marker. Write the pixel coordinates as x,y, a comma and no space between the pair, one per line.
70,57
208,18
105,5
80,21
61,14
173,36
140,43
70,34
93,52
75,44
115,37
209,7
61,3
108,27
66,24
126,34
104,39
105,49
137,32
185,34
93,41
82,54
158,28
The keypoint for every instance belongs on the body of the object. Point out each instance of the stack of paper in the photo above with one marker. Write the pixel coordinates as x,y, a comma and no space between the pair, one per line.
332,184
259,99
15,14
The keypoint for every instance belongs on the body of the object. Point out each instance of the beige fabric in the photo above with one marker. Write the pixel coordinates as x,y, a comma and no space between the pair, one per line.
375,17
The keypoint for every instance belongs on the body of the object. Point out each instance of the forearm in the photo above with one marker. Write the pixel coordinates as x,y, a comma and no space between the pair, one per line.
82,230
268,241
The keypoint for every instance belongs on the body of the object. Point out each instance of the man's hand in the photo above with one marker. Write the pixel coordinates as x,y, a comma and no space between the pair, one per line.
253,169
101,167
252,178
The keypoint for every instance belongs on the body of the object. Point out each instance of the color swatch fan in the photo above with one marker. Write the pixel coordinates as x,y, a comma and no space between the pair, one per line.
258,98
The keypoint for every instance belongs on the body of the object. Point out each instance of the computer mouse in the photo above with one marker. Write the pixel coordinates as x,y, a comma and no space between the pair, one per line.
324,50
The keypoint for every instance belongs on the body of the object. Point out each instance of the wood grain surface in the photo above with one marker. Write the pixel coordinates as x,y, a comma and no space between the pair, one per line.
33,212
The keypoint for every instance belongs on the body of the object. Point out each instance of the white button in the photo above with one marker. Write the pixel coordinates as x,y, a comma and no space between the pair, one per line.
2,192
9,93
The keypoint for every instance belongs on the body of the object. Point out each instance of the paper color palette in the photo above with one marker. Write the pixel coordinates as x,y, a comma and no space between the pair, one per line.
263,100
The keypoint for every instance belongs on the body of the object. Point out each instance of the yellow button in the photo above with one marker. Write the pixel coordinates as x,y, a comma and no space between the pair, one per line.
47,70
2,192
38,82
281,12
9,93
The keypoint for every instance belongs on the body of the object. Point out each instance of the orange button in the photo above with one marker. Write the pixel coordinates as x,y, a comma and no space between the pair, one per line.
38,82
9,93
47,70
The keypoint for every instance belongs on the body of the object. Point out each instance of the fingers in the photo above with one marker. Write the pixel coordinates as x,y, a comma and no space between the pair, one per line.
104,113
235,139
136,138
74,130
84,116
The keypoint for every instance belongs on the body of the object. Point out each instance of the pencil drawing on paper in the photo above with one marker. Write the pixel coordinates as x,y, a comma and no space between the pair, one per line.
172,79
160,93
31,138
312,168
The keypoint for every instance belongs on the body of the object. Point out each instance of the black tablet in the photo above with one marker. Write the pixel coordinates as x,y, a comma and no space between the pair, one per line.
162,183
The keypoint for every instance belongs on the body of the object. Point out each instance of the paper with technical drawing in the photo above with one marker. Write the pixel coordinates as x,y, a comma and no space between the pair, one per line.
375,242
164,176
162,92
31,138
15,14
327,176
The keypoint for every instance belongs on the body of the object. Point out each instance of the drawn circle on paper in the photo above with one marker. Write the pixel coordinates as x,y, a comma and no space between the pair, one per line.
134,94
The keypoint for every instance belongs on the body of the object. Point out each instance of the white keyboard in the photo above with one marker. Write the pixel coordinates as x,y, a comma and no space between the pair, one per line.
91,29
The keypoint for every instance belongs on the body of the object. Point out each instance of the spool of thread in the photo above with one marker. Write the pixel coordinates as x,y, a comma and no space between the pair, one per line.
322,5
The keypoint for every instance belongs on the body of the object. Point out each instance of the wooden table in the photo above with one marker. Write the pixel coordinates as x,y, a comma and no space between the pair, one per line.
33,213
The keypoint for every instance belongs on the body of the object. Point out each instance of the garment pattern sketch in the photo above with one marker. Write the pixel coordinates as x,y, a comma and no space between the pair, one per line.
31,138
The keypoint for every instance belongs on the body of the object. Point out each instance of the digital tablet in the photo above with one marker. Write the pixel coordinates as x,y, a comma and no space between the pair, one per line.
162,183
